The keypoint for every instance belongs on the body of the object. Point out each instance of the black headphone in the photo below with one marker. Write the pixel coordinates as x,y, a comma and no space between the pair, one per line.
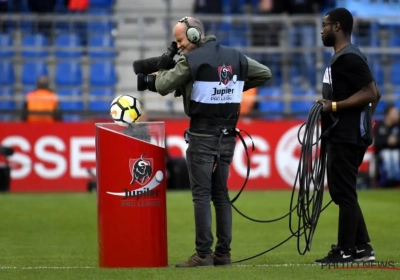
193,33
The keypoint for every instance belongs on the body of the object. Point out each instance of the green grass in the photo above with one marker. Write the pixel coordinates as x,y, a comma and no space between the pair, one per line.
54,236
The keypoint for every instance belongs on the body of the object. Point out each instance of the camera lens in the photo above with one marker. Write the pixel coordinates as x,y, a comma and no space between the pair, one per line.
142,82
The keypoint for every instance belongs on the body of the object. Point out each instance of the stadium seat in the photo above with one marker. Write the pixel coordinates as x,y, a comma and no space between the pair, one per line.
6,46
6,72
377,72
32,70
68,73
101,24
101,3
268,105
5,102
395,73
28,89
275,68
380,108
25,26
302,107
396,92
60,7
233,35
102,74
34,45
295,77
100,99
97,45
65,44
71,118
75,102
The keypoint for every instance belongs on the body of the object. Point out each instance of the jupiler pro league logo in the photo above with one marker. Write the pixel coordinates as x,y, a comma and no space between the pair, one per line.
226,75
141,170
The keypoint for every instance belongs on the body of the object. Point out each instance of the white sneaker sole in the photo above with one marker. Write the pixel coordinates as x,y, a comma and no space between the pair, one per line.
365,259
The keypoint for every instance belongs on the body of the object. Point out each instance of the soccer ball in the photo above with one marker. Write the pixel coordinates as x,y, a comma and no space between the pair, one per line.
125,110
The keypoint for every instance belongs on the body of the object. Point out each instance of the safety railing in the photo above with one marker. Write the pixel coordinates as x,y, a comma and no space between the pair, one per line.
277,41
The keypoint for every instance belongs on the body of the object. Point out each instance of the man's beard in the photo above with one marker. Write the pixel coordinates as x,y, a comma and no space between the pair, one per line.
329,40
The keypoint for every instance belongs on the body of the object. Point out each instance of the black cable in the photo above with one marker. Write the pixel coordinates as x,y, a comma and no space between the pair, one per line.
310,181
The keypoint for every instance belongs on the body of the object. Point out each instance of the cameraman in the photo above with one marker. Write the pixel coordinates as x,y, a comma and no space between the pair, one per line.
211,79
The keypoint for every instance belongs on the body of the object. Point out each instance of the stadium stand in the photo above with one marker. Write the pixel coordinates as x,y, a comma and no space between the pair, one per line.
88,55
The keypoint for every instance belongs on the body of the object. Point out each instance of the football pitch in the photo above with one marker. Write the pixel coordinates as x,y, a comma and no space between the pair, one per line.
54,236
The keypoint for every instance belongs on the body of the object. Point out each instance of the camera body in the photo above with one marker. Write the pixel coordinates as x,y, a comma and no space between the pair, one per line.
144,68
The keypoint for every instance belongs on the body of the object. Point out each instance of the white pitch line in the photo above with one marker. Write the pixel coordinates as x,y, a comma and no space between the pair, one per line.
93,267
45,267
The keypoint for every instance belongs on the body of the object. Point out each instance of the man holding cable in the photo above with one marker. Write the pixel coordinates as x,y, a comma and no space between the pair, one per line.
350,98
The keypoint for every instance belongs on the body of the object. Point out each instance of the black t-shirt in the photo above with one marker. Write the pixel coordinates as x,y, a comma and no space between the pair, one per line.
349,74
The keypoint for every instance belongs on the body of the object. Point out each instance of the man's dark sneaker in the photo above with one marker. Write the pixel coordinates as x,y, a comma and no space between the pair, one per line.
222,260
337,255
364,253
196,260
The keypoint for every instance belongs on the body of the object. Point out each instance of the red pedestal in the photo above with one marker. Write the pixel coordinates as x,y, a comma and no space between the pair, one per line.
131,192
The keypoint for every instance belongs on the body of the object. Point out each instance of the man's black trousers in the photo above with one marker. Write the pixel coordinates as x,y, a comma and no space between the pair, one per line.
342,169
207,186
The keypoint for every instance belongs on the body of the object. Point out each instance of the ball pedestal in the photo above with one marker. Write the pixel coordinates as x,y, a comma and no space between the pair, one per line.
131,195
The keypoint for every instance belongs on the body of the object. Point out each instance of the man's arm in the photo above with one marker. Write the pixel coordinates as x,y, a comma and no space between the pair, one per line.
359,73
375,103
257,74
169,80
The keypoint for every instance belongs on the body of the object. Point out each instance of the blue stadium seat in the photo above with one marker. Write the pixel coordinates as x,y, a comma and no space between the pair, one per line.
100,25
395,73
65,44
269,105
6,103
377,72
275,68
233,35
71,118
394,40
6,72
32,70
102,74
35,45
60,7
295,77
100,99
28,89
302,107
380,108
101,3
25,26
68,73
6,46
75,103
101,41
396,92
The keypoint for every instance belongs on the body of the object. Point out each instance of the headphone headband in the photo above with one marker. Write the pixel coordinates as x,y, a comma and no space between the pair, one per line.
193,33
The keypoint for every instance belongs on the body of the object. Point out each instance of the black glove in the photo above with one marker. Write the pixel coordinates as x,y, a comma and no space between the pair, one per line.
178,92
166,60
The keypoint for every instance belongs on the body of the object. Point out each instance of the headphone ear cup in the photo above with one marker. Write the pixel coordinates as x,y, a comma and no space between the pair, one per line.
193,34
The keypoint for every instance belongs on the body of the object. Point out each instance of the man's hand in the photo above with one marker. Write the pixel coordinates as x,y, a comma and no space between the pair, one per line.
327,105
154,73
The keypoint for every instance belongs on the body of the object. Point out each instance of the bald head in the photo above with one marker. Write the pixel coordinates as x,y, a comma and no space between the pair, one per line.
180,33
42,82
